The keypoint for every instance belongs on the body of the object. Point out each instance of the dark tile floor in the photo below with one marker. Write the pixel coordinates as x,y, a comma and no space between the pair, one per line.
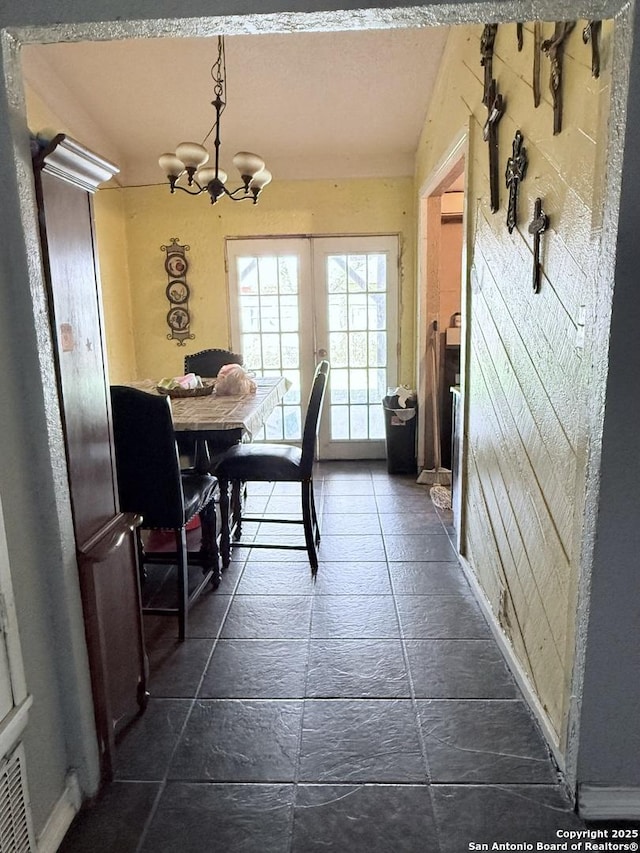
369,709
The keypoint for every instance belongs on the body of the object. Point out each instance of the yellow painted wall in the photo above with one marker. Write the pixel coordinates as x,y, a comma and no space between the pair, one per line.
526,380
111,239
132,224
112,244
153,217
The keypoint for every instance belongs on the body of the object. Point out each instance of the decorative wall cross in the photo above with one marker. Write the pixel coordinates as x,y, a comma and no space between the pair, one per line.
591,33
554,48
537,47
496,107
537,227
516,170
487,42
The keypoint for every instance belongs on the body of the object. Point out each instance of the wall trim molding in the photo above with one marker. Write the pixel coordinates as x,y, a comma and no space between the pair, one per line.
518,672
62,815
608,802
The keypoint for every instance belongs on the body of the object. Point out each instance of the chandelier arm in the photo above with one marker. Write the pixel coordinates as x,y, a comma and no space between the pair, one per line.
189,192
239,193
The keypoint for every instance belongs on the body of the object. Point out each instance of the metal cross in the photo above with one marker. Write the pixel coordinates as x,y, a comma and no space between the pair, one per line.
537,47
496,107
516,170
591,33
486,49
554,48
538,226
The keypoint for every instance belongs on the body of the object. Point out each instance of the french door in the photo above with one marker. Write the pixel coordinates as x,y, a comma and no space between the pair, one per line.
295,301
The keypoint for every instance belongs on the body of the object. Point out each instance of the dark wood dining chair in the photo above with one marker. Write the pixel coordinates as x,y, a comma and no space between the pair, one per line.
152,484
208,362
280,463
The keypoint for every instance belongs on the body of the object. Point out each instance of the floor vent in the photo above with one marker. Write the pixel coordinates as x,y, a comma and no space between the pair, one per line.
16,833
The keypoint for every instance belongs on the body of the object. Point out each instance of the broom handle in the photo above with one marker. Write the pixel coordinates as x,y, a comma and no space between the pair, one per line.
434,400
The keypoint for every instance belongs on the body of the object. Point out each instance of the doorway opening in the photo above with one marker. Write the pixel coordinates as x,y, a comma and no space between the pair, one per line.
441,320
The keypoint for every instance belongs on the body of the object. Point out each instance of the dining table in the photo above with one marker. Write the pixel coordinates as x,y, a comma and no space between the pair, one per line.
217,422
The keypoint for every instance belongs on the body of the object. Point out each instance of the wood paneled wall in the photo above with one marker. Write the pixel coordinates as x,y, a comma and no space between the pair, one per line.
527,379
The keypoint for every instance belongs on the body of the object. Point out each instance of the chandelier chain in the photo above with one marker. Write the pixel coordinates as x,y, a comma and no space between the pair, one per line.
219,77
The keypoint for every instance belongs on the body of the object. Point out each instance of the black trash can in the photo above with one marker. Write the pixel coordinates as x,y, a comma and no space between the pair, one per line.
400,432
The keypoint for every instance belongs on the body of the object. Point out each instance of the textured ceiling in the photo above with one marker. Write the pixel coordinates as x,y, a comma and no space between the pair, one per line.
314,105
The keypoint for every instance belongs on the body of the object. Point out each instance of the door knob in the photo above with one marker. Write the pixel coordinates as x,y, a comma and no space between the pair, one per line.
322,353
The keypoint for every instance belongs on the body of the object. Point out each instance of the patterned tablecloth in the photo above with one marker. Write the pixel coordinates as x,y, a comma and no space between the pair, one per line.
212,413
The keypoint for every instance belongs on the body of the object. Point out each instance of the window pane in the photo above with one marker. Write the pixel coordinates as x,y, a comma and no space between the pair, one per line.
359,390
289,318
338,349
336,274
359,422
376,422
377,272
377,385
268,274
358,349
337,312
357,272
339,386
377,315
339,422
288,274
357,311
269,314
290,351
248,275
292,422
377,349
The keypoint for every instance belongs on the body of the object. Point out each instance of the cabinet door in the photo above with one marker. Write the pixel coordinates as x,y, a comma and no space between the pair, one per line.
113,621
77,325
67,174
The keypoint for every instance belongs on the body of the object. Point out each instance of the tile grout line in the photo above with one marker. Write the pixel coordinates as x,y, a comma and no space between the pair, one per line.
192,702
412,692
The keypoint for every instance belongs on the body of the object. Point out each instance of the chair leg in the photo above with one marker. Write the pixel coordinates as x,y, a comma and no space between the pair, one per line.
316,526
183,582
236,508
142,572
307,521
209,545
225,543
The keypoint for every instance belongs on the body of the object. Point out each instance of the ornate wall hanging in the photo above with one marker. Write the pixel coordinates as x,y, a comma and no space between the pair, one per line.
486,49
496,107
537,48
554,48
516,171
177,292
591,33
537,227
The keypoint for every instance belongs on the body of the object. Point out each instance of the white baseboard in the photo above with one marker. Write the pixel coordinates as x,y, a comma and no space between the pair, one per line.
61,816
608,802
516,668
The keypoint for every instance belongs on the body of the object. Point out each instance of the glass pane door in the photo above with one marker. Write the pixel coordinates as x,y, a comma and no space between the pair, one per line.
271,321
295,301
356,285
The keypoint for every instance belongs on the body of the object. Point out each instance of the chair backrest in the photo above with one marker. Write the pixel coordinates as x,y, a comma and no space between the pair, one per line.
312,418
147,463
208,362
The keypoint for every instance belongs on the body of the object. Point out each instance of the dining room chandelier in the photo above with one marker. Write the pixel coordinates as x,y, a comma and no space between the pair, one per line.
188,163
